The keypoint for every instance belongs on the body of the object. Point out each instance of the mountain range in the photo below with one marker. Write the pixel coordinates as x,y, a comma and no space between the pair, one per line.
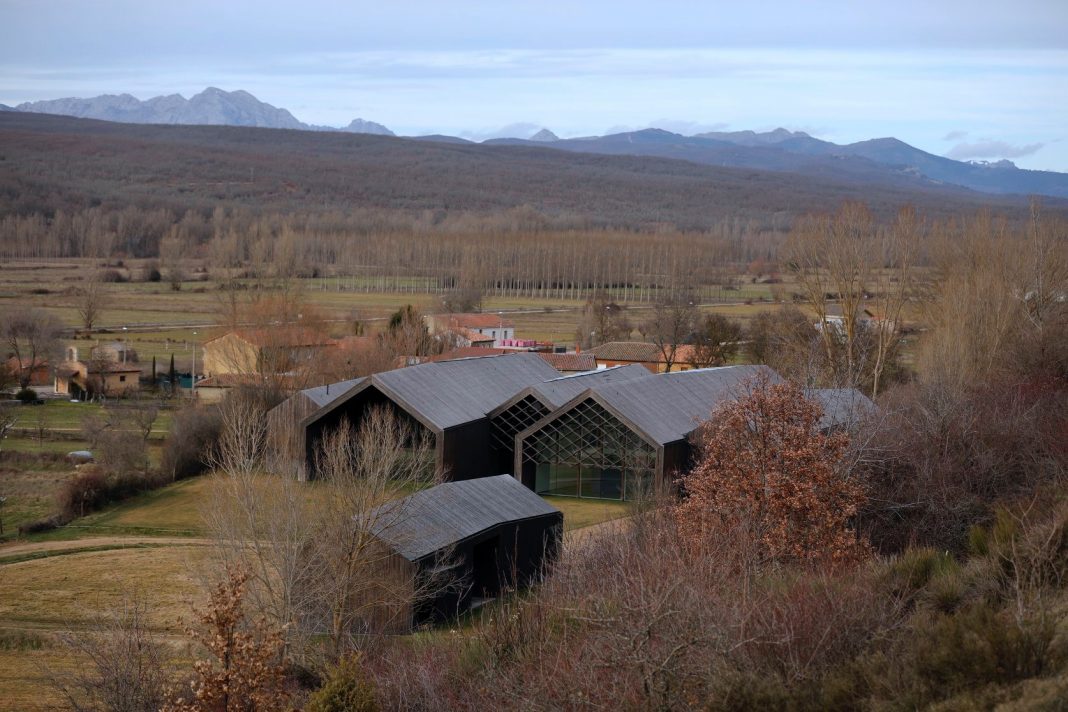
881,161
211,107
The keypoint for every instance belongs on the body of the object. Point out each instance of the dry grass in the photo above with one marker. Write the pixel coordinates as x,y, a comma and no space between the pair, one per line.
69,592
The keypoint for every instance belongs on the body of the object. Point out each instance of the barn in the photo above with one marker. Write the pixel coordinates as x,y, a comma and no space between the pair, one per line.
448,400
477,538
621,437
285,441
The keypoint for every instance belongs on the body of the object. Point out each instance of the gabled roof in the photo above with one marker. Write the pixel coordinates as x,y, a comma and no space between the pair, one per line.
667,407
444,394
638,352
558,391
442,516
324,395
570,361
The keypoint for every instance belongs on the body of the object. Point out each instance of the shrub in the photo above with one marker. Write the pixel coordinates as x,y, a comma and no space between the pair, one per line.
111,275
977,646
911,572
41,525
346,689
192,441
86,492
27,395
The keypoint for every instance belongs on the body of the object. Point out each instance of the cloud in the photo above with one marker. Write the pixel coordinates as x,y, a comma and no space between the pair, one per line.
985,148
955,136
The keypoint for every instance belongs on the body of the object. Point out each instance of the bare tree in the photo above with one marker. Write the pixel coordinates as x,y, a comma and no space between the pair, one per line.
671,325
314,564
365,470
715,342
125,666
93,299
846,258
31,336
7,422
244,432
603,320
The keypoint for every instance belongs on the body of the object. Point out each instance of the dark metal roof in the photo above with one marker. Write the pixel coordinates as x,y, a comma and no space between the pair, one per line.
558,391
669,406
324,395
841,406
447,514
450,393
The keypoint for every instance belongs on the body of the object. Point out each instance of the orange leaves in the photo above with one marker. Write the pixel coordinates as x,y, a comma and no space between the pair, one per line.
767,473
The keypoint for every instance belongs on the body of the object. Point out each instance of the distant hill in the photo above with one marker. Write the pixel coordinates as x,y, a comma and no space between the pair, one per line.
52,163
886,161
997,177
545,135
211,107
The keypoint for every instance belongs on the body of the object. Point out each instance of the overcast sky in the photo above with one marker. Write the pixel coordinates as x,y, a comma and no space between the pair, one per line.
973,79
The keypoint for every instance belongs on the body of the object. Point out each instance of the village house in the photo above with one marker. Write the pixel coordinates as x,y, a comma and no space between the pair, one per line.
39,373
473,329
101,376
263,351
622,353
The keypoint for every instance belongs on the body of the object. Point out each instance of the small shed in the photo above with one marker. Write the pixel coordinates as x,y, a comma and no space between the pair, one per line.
491,534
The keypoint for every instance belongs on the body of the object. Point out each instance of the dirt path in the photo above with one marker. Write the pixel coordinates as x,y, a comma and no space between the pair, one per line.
97,542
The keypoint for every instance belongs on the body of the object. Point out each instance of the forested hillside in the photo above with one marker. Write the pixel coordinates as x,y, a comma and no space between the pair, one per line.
138,181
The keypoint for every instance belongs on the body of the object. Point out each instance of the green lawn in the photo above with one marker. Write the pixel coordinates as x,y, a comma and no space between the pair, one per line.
64,416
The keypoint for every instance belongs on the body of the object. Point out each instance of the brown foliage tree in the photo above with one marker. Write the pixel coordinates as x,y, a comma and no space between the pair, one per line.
243,673
768,475
715,342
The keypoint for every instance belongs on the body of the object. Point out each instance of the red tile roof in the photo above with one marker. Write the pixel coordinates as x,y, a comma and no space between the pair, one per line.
570,361
638,352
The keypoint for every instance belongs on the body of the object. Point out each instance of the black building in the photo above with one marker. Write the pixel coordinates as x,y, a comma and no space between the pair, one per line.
449,400
474,538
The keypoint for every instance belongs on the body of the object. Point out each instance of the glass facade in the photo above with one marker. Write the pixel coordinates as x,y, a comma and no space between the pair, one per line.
587,452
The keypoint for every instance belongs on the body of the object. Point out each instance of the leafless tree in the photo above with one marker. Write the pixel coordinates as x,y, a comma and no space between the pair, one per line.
31,336
125,668
848,259
603,320
244,433
715,342
364,470
315,568
7,422
93,299
671,325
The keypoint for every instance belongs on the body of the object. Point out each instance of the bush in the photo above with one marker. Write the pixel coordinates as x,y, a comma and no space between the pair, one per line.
91,490
111,275
346,689
84,493
192,440
41,525
978,646
27,395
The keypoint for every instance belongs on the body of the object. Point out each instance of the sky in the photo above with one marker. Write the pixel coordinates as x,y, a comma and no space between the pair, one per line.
974,80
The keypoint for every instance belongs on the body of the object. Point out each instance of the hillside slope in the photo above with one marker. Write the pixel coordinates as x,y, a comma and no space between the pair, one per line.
52,162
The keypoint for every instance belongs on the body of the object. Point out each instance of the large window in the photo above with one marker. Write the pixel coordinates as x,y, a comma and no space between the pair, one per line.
587,452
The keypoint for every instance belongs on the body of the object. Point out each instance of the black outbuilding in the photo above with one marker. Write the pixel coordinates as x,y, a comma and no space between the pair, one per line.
447,400
480,537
